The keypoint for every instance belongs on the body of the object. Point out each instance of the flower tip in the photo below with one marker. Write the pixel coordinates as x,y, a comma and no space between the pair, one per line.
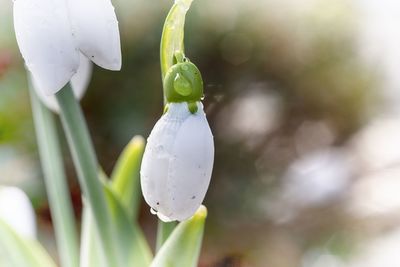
116,66
113,65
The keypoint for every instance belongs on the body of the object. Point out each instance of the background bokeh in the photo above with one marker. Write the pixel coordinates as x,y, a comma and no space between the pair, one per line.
303,100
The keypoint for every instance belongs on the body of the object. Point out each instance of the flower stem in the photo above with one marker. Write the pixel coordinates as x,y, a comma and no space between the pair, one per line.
163,231
56,183
86,164
172,35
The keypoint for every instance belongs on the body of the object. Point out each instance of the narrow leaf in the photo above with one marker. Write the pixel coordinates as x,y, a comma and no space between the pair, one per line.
182,248
16,251
133,247
126,176
91,251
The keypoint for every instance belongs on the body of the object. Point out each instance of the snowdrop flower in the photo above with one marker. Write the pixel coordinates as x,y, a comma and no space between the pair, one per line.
16,210
178,159
79,84
51,34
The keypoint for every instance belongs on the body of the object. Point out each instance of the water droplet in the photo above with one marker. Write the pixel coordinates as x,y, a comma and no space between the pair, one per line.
182,86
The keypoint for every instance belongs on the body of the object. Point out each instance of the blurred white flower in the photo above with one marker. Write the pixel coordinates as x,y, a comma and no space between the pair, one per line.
318,177
177,163
251,117
376,194
52,33
377,145
382,251
17,211
379,41
321,258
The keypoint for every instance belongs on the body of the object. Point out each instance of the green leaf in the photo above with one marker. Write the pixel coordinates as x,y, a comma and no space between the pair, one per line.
126,176
133,249
16,251
91,251
182,248
173,33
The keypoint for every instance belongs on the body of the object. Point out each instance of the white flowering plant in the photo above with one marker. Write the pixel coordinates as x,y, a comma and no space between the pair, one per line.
59,40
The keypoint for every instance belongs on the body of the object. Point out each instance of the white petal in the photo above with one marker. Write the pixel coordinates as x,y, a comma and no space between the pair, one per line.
79,82
157,155
177,163
17,211
95,27
46,43
190,171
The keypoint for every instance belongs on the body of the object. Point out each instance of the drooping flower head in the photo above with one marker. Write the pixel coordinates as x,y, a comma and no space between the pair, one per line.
178,159
179,156
51,35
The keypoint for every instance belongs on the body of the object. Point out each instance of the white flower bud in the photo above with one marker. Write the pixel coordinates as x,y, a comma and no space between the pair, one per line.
177,163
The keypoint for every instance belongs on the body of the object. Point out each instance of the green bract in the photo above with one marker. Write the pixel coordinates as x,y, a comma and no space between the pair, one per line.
183,83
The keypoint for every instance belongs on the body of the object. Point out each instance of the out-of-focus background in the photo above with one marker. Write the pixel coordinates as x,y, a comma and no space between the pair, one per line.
303,98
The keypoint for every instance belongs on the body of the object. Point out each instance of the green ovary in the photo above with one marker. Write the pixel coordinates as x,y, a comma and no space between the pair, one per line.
183,83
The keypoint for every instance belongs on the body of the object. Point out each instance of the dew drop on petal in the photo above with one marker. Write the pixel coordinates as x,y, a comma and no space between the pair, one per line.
153,211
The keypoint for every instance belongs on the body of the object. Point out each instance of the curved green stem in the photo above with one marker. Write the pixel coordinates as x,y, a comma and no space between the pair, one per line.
86,164
56,182
173,33
163,231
